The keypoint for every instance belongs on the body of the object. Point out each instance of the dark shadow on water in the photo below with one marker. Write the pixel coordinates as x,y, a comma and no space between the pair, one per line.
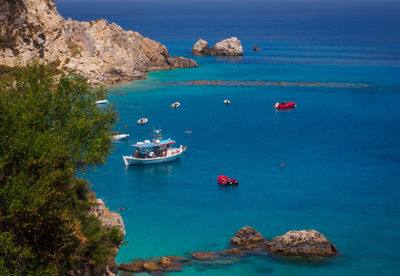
285,110
308,261
228,187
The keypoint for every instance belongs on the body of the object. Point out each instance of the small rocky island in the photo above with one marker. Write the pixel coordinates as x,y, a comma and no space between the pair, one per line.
102,52
228,47
246,242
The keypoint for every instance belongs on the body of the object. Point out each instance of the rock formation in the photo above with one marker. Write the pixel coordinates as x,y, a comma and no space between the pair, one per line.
247,238
255,48
104,52
227,47
247,242
108,219
301,243
151,265
201,48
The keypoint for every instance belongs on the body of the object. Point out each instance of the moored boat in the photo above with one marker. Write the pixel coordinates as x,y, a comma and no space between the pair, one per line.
175,105
284,105
142,121
158,150
227,101
224,180
120,136
102,102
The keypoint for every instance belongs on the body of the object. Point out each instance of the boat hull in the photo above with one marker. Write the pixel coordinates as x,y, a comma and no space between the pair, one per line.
129,160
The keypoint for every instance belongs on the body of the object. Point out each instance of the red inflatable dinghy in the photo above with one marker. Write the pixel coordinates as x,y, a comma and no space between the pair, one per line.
224,180
284,105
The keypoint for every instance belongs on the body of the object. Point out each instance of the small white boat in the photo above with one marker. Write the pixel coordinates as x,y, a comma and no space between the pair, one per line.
102,102
120,136
142,121
175,104
153,152
227,102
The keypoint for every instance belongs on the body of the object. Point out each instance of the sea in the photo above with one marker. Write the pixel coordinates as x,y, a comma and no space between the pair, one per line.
331,164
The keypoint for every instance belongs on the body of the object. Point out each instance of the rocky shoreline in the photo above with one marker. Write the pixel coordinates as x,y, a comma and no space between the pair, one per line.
101,51
246,242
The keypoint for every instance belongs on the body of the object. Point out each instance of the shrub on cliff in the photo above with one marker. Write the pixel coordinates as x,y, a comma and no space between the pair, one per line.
50,127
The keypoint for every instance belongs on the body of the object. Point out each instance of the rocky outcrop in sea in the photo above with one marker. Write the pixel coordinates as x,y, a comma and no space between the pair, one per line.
101,51
246,242
228,47
301,243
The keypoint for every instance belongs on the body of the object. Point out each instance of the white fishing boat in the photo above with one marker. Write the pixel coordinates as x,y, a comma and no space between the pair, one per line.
227,101
120,136
153,152
142,121
102,102
175,104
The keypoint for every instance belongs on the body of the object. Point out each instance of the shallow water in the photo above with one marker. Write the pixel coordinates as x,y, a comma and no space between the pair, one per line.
340,147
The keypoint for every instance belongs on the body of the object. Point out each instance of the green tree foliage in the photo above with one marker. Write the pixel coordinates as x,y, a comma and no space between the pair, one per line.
50,127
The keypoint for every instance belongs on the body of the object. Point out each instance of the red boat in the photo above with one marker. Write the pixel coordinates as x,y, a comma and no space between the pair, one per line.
224,180
284,105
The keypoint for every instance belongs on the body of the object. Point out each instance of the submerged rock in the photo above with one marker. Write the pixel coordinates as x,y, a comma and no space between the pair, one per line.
228,47
203,255
301,243
164,264
248,238
178,259
230,252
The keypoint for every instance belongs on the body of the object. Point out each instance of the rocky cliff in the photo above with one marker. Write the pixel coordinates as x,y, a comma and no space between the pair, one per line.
104,52
108,220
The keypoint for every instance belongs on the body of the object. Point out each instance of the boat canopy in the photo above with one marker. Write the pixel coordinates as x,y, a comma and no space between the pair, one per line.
152,144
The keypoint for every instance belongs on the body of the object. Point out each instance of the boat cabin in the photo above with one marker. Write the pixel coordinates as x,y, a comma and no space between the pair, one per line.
153,149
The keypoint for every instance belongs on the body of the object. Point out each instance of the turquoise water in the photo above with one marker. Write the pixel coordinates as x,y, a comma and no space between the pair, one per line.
340,147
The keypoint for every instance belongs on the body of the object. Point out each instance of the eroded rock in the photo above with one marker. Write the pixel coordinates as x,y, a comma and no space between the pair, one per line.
108,219
201,48
248,238
301,243
228,47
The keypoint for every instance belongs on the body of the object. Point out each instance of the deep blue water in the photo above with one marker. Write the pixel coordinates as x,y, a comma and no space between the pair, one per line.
340,148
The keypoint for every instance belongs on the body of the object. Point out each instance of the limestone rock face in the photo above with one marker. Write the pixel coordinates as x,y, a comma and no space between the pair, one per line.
201,48
33,29
228,47
247,238
301,243
108,219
